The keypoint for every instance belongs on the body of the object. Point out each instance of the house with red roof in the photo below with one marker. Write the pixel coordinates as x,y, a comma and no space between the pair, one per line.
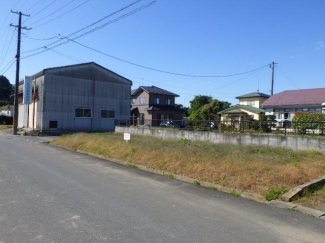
286,104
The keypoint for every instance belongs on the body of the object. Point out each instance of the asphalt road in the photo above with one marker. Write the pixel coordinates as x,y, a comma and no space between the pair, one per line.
49,194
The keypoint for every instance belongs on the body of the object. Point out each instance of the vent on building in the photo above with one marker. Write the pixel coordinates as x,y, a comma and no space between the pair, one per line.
53,124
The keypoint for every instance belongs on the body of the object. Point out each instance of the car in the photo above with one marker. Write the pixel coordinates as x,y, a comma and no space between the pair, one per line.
211,124
169,124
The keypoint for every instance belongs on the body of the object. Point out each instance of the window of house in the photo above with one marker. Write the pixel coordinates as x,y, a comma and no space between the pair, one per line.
305,109
279,115
299,109
276,110
167,101
286,110
83,113
319,109
312,109
107,114
251,103
132,101
142,100
286,115
156,101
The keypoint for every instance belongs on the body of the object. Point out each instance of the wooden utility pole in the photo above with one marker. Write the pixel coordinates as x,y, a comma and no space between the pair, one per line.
15,120
272,79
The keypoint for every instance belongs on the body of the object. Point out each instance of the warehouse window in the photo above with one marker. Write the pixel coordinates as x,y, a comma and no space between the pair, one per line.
53,124
107,114
83,113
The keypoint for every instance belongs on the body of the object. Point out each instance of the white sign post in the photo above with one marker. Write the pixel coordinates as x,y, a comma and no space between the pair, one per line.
28,86
127,136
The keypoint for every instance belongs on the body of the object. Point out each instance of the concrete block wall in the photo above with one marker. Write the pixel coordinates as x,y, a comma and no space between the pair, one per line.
296,143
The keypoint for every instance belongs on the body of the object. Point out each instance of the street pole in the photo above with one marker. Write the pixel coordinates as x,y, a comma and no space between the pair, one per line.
15,119
272,79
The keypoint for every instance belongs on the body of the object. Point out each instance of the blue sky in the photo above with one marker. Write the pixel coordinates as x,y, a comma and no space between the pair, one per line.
207,37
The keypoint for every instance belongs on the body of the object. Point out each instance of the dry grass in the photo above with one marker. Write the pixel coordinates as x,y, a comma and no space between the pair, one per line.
313,198
5,126
244,168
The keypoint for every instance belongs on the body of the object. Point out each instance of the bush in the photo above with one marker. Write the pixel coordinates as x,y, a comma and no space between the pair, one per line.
301,122
6,120
273,194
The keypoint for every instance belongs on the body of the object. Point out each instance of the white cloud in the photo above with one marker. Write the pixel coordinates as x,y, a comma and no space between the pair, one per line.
319,45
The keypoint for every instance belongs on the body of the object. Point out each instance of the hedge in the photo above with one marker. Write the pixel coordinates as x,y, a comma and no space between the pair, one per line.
303,121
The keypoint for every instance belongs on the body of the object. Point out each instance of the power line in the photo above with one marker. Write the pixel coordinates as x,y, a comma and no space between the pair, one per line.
41,10
98,21
33,5
287,77
67,56
91,31
4,57
52,13
166,72
78,6
8,66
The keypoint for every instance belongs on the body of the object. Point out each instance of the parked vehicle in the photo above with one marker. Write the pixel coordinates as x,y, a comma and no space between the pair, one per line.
169,124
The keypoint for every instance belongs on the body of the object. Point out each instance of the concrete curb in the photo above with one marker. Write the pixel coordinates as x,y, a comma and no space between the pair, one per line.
293,207
299,190
247,195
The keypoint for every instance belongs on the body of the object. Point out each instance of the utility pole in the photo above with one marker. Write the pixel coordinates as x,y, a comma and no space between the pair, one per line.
15,120
272,79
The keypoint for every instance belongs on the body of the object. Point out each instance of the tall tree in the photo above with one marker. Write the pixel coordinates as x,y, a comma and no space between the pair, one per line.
209,111
5,90
198,102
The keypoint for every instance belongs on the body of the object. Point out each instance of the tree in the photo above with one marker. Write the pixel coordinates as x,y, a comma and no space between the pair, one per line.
208,111
198,102
5,90
185,109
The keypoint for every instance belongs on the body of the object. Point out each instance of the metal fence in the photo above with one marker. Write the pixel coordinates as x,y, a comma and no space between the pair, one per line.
232,126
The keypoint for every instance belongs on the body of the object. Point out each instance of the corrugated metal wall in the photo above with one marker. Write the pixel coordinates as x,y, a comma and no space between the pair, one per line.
63,93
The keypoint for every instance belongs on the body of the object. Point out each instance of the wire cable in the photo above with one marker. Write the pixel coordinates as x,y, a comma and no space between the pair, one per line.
107,16
41,10
78,6
287,77
167,72
51,13
4,57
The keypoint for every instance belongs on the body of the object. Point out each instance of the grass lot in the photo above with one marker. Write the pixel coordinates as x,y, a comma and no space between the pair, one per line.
244,168
5,126
313,198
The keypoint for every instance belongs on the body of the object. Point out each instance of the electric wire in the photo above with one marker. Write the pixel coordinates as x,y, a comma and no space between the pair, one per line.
49,15
78,6
4,57
88,26
167,72
286,77
33,16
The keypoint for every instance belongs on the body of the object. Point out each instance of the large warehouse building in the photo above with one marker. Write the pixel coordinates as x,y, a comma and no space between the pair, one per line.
83,97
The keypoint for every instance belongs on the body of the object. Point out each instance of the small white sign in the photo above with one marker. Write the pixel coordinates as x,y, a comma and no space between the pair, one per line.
127,136
28,87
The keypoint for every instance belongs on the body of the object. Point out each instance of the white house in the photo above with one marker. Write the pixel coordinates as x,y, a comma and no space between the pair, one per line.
286,104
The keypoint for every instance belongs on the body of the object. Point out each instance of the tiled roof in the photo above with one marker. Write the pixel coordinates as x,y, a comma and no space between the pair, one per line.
297,97
253,94
239,108
153,90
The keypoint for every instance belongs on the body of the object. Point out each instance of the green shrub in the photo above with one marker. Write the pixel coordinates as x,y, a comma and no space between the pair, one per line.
301,122
132,165
273,194
235,194
196,183
168,175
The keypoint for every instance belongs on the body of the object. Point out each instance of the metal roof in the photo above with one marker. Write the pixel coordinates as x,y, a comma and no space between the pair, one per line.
41,73
153,90
239,107
296,97
253,94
